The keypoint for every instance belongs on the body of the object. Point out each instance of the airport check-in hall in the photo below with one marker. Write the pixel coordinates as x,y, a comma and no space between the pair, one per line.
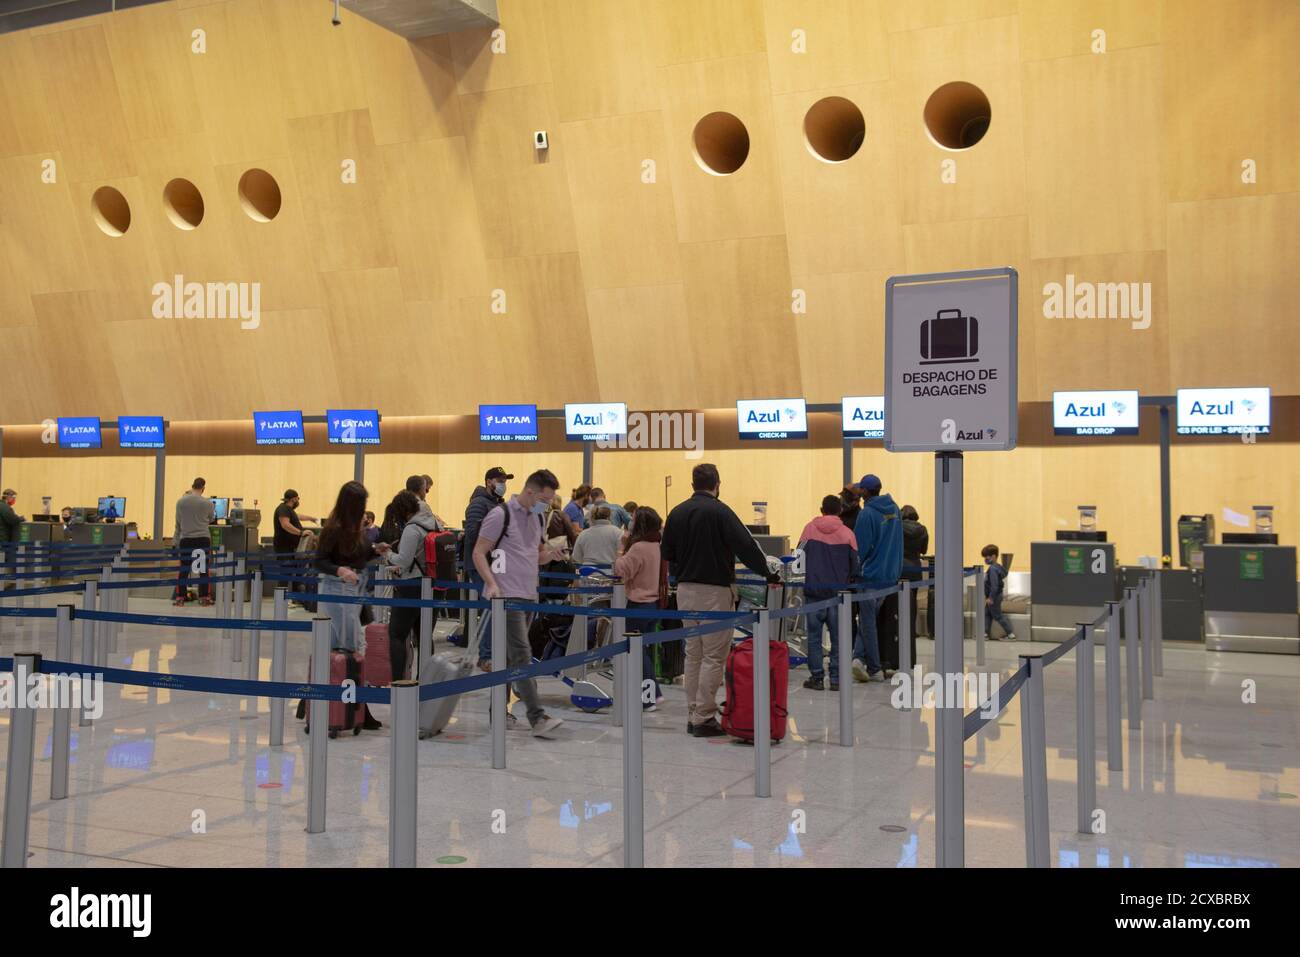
726,434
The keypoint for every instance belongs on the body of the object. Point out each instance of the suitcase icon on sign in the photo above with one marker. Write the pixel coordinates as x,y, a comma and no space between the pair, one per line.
949,337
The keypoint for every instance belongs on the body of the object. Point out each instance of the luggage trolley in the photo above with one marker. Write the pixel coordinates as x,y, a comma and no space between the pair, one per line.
591,686
752,596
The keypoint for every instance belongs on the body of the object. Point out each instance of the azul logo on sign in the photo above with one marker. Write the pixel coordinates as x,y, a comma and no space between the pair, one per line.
352,426
1095,413
1223,411
140,432
863,417
772,419
79,433
278,428
507,423
591,421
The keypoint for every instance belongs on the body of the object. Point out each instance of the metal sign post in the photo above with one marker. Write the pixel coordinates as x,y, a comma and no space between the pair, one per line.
950,387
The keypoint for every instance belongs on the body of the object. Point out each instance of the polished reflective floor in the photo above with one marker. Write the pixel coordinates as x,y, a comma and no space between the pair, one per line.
182,779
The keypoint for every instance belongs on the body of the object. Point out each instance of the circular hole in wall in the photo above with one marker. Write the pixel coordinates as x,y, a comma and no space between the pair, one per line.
184,203
834,129
721,143
259,194
957,115
111,210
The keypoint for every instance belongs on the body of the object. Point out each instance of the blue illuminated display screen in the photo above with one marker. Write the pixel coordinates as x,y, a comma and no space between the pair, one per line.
140,432
79,433
352,426
507,423
278,428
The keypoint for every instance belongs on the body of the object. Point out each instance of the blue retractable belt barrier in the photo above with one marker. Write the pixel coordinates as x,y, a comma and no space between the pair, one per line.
392,602
194,621
47,590
6,612
974,721
1063,648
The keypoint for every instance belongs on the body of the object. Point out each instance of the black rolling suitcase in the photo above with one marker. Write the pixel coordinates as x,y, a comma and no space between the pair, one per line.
887,631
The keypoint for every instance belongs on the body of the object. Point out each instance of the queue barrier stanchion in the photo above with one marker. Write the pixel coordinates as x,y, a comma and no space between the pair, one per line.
763,694
89,598
120,601
844,651
1132,679
498,693
905,633
1085,727
254,634
1114,696
622,687
978,623
319,721
101,628
18,770
1158,622
61,742
1033,750
277,668
633,762
1145,629
403,774
222,595
237,612
426,629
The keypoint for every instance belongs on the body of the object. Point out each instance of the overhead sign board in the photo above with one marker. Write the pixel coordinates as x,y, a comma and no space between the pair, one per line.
1095,413
80,432
140,432
594,421
1223,411
507,423
950,361
278,428
352,426
772,418
863,416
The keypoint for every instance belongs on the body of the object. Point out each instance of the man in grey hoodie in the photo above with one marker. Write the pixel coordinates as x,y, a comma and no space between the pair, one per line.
598,543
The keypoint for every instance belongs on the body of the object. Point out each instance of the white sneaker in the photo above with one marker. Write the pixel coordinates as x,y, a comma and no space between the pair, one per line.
546,725
878,676
860,670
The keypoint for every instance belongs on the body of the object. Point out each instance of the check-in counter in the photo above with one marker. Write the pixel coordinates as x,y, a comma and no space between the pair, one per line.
236,538
1072,583
1250,599
98,533
1181,604
30,533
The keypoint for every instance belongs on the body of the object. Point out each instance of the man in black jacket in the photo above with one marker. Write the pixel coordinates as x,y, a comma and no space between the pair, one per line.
702,540
9,521
482,500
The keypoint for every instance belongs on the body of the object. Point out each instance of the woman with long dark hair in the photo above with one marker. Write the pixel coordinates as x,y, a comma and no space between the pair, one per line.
645,577
341,559
413,527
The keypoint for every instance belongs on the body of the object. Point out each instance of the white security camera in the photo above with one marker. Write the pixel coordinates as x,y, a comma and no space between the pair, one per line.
540,141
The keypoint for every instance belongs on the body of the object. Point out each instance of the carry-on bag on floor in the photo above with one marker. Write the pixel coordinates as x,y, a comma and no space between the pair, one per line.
887,631
342,716
738,711
436,713
379,656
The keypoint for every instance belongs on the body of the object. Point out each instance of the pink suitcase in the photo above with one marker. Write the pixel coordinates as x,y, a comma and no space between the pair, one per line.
379,658
343,716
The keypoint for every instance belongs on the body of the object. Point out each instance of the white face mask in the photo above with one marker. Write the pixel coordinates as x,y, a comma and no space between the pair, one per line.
499,488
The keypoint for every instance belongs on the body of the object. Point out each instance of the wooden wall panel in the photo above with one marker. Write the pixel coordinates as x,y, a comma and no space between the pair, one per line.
25,125
521,58
1059,28
604,57
410,86
634,324
839,43
150,59
716,30
841,336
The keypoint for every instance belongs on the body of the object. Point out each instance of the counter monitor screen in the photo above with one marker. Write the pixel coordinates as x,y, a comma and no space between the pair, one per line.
1223,411
1095,413
352,426
507,423
220,509
112,506
772,418
278,428
864,416
79,433
594,421
140,432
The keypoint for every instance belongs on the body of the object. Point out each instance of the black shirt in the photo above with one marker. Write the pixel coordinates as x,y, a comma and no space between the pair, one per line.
286,541
702,540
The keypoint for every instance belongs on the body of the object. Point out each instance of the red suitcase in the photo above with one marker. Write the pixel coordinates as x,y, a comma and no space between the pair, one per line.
379,656
738,711
343,716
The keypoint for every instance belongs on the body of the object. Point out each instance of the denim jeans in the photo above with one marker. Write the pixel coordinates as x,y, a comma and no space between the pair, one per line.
345,618
866,644
186,548
830,617
646,625
994,613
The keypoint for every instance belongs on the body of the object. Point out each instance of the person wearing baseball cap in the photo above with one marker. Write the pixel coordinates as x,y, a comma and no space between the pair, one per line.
482,500
287,524
879,531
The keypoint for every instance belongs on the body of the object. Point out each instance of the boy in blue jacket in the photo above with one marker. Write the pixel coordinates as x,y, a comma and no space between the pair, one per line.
995,577
879,531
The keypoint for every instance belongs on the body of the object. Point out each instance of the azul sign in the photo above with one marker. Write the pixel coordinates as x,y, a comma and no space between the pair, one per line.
278,428
79,433
772,419
140,432
1223,411
352,426
1095,413
507,423
864,417
592,421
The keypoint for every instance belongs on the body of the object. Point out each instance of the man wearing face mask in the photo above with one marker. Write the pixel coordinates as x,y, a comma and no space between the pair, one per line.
9,521
482,500
515,530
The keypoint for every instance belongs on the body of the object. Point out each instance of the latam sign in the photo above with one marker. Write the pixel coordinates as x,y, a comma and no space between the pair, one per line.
772,418
140,432
1223,411
352,426
507,423
278,428
79,433
1095,413
864,416
594,421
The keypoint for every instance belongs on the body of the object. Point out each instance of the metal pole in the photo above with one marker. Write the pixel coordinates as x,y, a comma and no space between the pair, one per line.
762,706
219,591
159,479
18,770
254,634
1166,532
277,668
403,776
588,464
101,628
117,604
905,630
237,612
1085,728
89,597
426,631
950,809
498,693
359,464
623,688
1158,622
1144,630
633,769
848,462
845,653
319,720
1033,749
1131,661
979,616
1114,745
61,746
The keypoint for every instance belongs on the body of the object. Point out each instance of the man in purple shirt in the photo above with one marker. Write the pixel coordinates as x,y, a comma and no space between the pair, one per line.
511,545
